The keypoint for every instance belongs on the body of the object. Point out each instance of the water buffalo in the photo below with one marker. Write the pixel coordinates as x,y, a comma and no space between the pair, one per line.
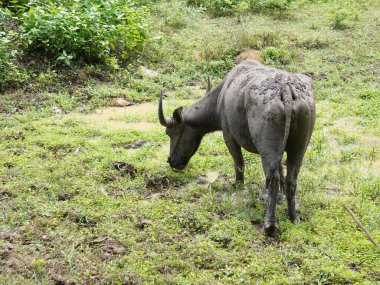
262,109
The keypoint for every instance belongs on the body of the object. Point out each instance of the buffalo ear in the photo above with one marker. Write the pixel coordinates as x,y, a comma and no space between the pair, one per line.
177,114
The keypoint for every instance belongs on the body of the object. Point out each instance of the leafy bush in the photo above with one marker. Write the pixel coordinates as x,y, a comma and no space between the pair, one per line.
273,5
10,73
176,14
339,17
314,42
92,30
275,55
219,8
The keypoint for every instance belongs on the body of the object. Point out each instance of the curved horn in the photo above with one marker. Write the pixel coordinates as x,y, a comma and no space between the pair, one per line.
208,85
166,122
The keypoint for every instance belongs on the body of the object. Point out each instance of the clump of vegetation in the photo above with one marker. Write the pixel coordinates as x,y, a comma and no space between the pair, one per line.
340,17
176,14
89,30
343,12
315,42
55,34
10,52
222,8
275,55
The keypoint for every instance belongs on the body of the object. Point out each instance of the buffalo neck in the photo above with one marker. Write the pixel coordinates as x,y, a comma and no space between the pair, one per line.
204,114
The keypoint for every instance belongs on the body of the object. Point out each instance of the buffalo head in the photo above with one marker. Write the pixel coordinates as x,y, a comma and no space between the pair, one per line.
184,139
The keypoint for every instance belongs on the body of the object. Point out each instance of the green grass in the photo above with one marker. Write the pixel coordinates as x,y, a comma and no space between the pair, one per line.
69,215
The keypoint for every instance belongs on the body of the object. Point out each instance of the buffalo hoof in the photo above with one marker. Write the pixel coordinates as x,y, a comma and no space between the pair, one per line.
271,230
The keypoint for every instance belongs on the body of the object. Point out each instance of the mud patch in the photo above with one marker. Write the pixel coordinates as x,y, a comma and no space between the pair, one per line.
8,257
14,235
135,145
115,117
65,196
257,226
107,248
82,221
157,183
201,179
59,280
13,137
4,193
16,151
212,176
125,168
143,224
223,242
160,184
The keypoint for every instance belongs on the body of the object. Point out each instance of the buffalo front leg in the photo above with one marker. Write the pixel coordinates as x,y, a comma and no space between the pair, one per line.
235,150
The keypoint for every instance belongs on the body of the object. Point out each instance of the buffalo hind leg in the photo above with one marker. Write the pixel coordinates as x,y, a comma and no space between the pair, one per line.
280,197
295,154
272,185
297,143
293,168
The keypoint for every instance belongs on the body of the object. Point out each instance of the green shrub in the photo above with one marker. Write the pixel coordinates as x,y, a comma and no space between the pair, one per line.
275,55
339,18
176,14
219,8
91,30
313,42
10,74
222,7
273,5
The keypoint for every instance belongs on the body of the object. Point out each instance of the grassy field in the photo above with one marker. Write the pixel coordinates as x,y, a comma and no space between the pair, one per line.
87,196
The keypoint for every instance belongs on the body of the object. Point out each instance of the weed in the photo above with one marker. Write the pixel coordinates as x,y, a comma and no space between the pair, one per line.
92,31
339,18
275,55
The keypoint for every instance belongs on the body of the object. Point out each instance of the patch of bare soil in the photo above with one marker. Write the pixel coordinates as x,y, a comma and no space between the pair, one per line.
136,144
250,54
157,183
257,226
65,196
56,271
13,235
115,117
201,179
223,242
121,169
8,257
161,183
125,168
59,280
13,137
142,224
82,221
107,248
5,193
211,177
